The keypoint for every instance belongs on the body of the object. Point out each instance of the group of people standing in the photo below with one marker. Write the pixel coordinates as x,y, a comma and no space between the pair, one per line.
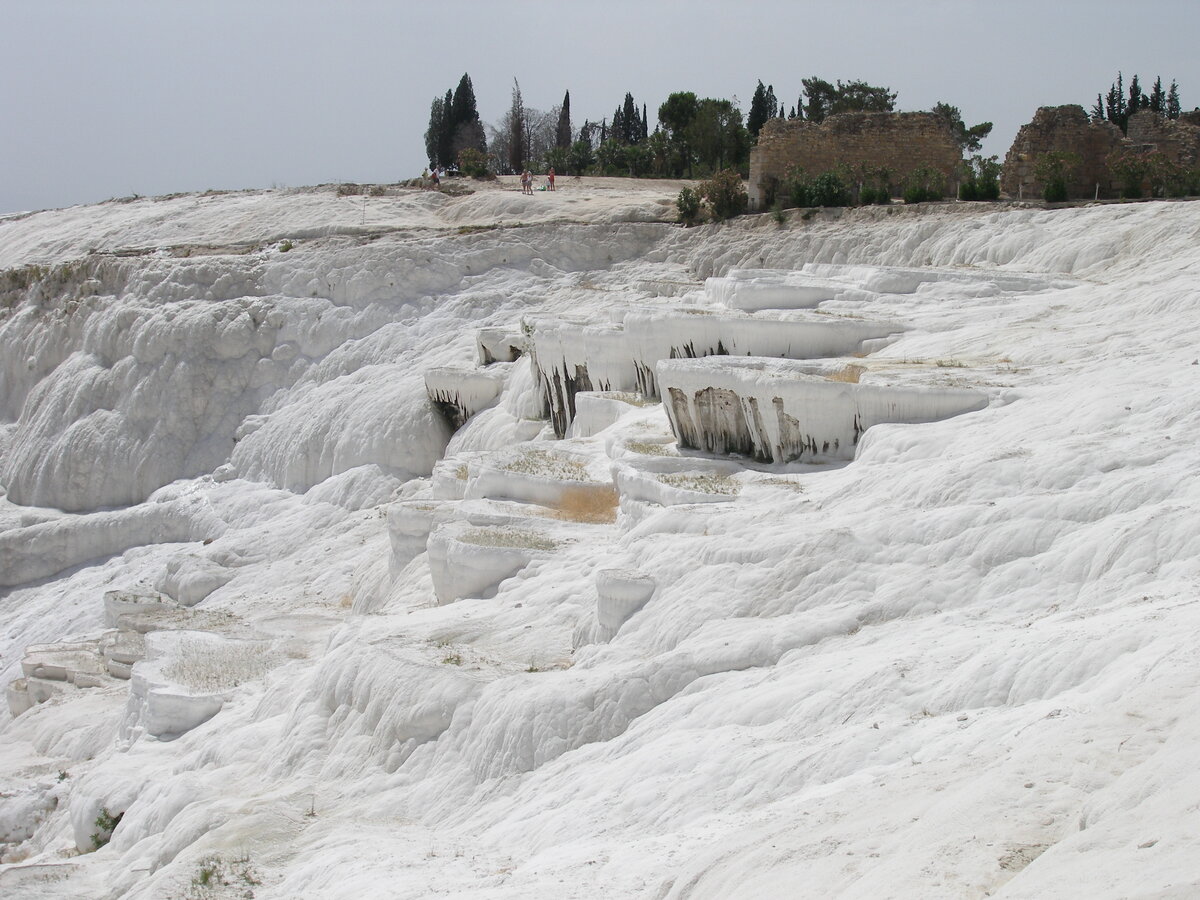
527,181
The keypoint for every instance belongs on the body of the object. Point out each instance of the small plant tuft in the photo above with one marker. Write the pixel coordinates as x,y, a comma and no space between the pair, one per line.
688,203
105,823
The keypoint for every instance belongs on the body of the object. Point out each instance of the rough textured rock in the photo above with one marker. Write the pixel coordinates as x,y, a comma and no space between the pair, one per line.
900,142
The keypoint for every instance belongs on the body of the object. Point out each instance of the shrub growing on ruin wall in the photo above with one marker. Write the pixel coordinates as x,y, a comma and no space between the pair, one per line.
1054,170
924,184
981,179
1129,168
826,189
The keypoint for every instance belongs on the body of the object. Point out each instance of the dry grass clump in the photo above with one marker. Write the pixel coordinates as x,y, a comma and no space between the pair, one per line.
702,482
206,666
589,504
849,374
651,448
544,464
513,538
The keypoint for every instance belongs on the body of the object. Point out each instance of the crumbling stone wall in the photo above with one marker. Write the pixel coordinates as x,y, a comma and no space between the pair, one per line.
1177,139
901,142
1069,129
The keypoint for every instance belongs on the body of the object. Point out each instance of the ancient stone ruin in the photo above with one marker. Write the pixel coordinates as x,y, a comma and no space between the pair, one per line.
1066,129
1069,129
900,142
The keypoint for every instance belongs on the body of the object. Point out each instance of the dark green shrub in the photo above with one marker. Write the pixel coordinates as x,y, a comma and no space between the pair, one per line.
1129,168
1055,192
827,189
866,195
1055,170
472,162
923,185
688,204
981,179
725,193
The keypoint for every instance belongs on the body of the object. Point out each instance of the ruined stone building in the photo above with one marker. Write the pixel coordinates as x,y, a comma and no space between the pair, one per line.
900,142
1070,129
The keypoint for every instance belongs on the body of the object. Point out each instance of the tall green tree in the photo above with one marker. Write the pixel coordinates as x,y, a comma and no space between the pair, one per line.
1115,106
562,135
758,114
466,130
676,114
717,134
627,123
858,96
517,151
820,95
1158,98
763,107
433,134
1172,106
1137,100
969,139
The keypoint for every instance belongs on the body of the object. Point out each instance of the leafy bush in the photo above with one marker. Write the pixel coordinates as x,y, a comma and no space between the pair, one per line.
725,193
688,203
105,824
1054,169
828,189
982,179
924,184
472,162
1129,168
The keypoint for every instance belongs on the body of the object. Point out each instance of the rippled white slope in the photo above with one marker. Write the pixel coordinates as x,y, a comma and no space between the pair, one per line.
961,665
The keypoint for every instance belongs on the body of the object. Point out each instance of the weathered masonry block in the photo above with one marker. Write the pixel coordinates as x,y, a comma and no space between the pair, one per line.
1177,139
1070,130
900,142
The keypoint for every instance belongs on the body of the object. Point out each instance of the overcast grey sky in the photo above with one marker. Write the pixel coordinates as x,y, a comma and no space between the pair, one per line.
106,98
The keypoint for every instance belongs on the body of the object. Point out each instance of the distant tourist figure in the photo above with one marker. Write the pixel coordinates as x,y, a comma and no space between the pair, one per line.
550,175
526,183
433,175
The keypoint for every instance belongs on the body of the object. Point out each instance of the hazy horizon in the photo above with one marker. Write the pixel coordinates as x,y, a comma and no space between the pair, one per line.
136,97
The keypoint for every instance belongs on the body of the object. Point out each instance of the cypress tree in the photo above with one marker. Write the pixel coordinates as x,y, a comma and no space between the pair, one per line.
645,123
632,127
1137,100
466,131
516,130
1173,108
433,134
445,154
562,136
1158,99
758,111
